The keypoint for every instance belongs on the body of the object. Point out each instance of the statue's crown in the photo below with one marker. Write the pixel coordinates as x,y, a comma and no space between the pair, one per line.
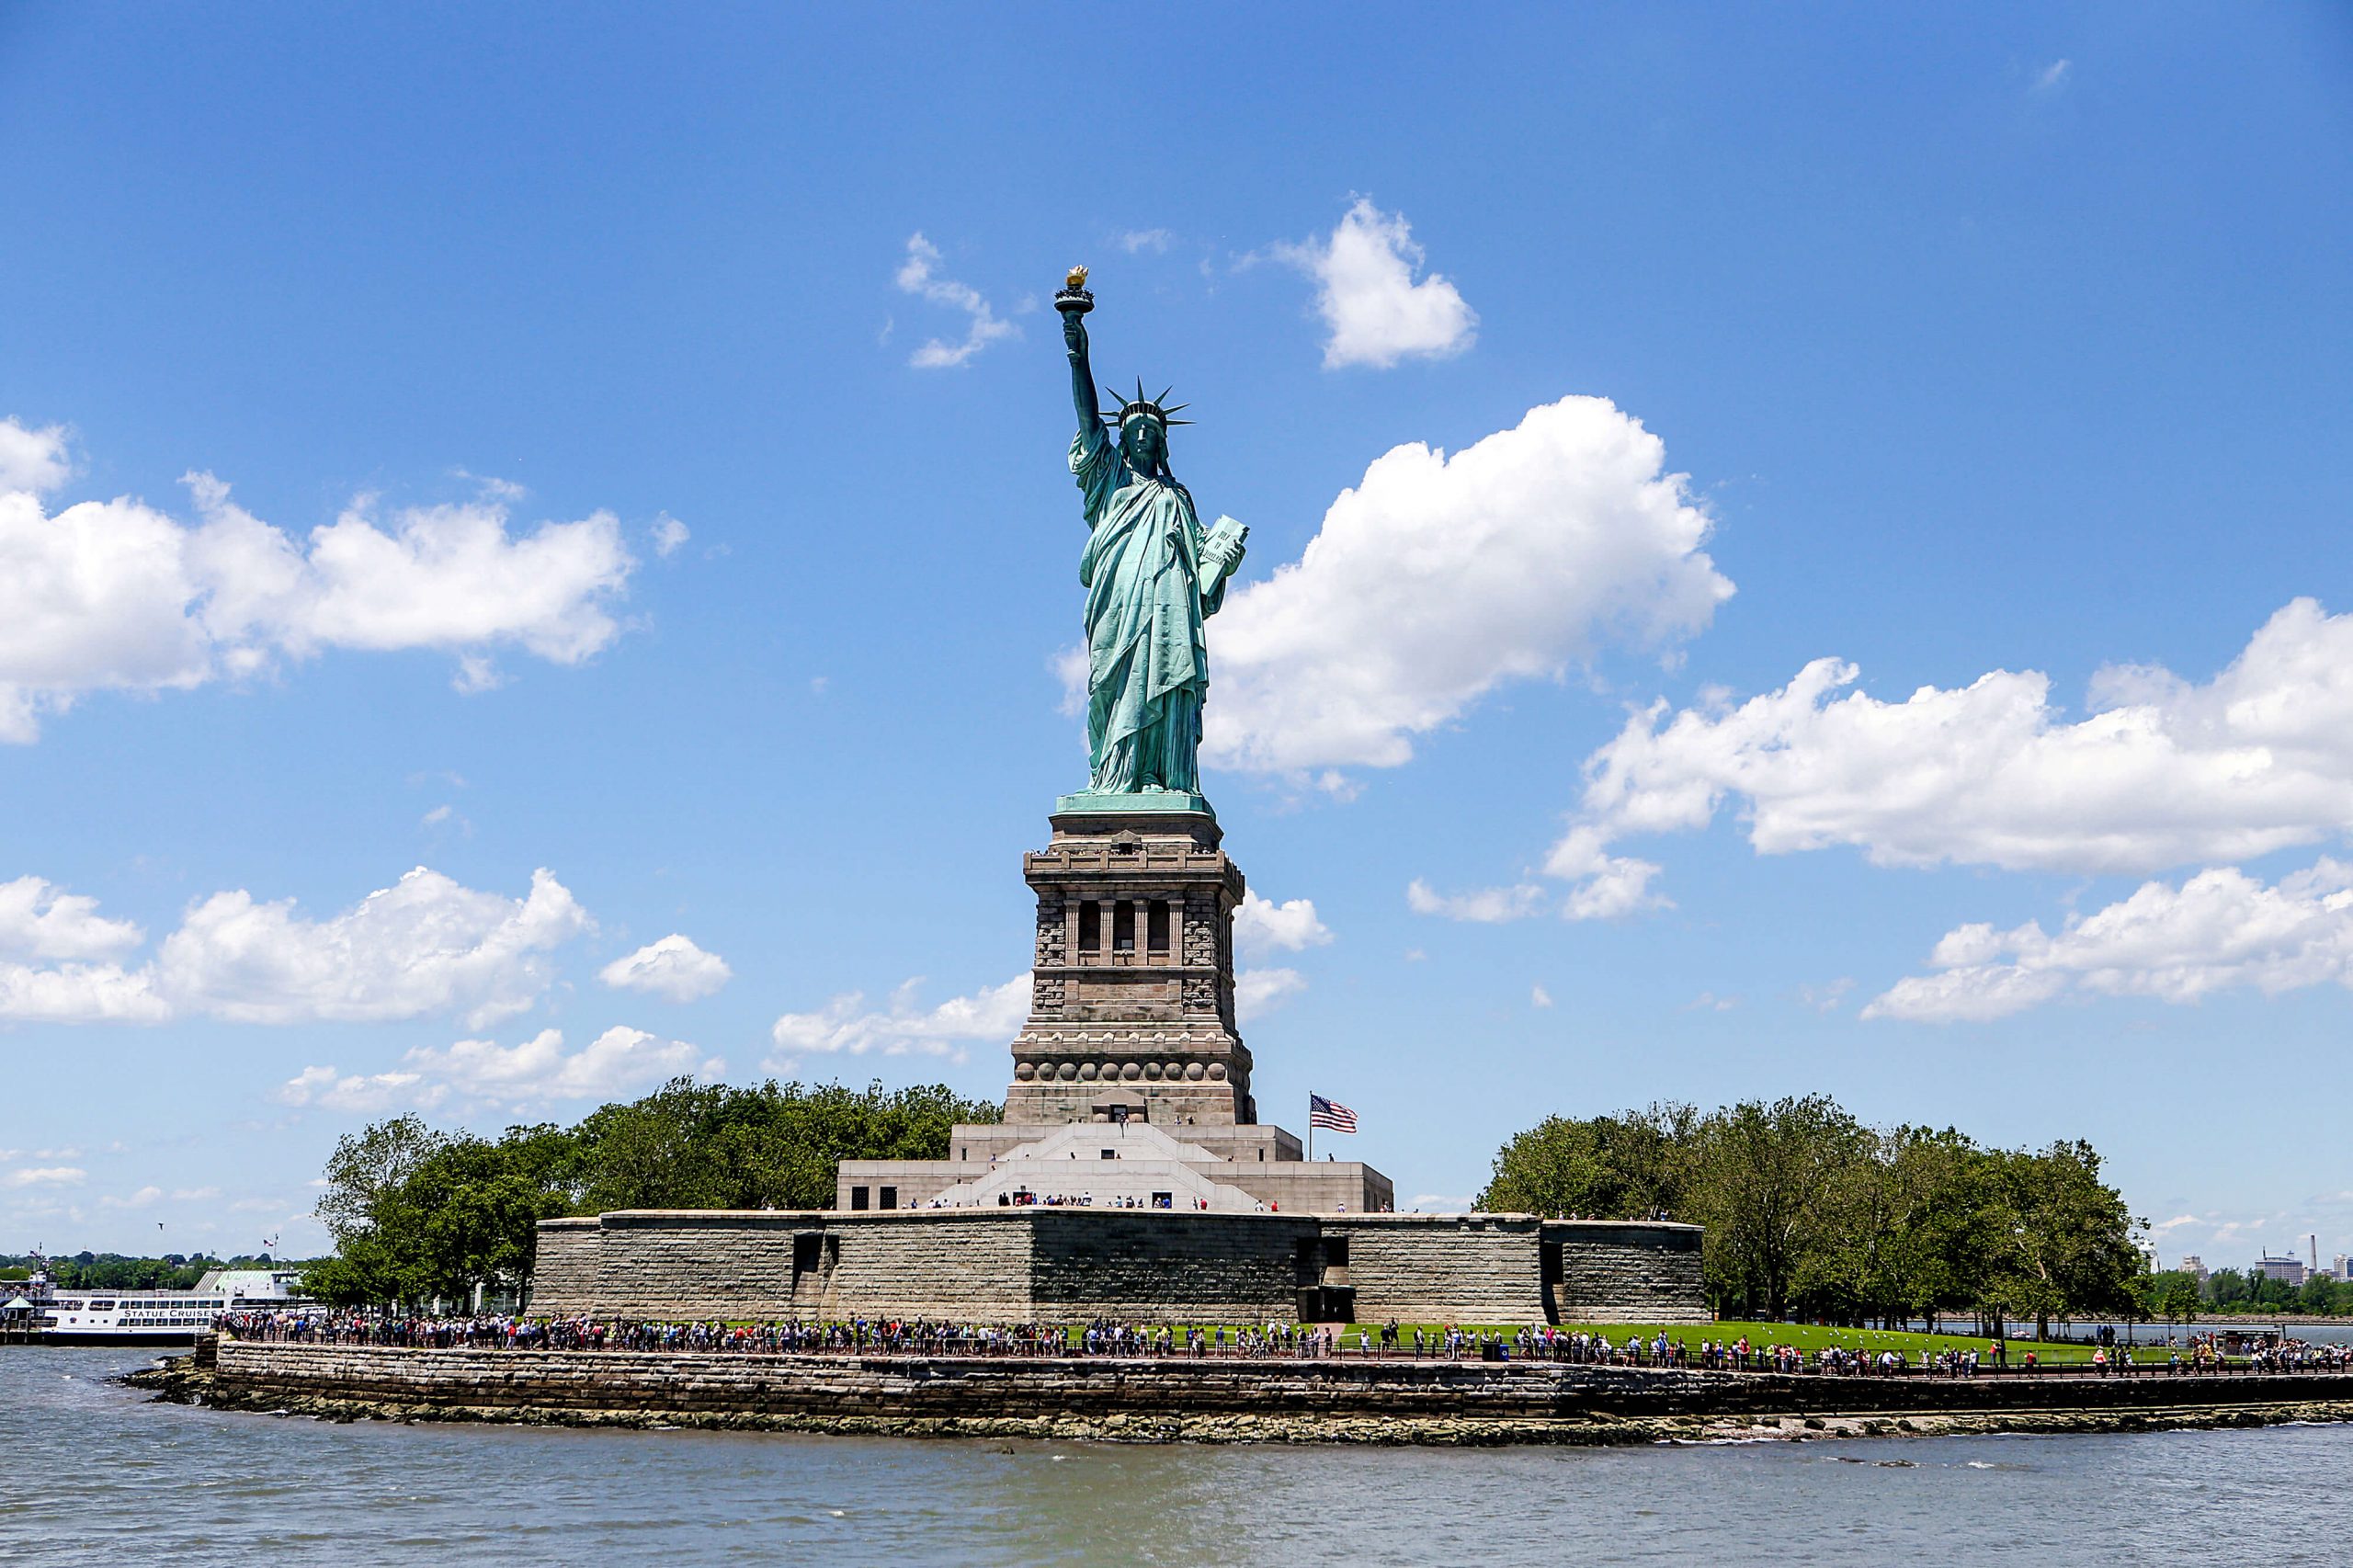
1149,407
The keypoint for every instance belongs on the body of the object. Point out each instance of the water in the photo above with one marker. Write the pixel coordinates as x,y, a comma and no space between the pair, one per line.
91,1470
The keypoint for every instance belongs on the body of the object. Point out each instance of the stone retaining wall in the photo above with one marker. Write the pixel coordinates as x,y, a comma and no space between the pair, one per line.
1062,1264
924,1392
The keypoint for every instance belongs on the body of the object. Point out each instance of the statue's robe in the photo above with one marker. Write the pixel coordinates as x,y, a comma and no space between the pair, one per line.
1146,660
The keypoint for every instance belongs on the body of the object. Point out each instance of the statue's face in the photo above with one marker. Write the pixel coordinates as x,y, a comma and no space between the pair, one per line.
1146,443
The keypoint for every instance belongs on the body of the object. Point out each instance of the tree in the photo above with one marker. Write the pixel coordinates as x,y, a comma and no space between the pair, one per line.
2060,1238
1767,1180
416,1213
1632,1165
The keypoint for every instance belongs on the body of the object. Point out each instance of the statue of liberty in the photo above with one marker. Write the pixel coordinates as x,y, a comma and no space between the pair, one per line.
1152,575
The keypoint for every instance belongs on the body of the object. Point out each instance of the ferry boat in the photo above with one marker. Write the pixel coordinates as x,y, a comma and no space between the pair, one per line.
152,1317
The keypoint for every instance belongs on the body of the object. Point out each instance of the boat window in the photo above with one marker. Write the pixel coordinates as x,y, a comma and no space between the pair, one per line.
102,1306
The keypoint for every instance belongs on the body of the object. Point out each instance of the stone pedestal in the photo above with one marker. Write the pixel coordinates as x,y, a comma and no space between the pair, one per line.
1131,999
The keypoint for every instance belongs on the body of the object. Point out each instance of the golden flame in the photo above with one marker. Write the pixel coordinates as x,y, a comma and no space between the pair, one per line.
1078,279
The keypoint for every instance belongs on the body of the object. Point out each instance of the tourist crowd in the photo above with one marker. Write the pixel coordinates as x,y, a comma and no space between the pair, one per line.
909,1337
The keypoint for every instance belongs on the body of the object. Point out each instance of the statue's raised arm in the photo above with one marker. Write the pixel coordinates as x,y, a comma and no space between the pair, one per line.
1082,373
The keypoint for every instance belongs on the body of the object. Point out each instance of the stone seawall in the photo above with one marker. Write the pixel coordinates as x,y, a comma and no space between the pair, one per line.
1065,1264
1414,1400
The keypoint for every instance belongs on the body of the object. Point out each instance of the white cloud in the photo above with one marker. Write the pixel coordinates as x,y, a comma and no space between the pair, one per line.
1485,906
1825,998
1374,309
2162,772
1435,579
33,460
615,1064
668,535
1257,991
195,1194
1261,926
1606,885
994,1014
918,275
1539,997
1709,1002
41,920
358,1093
45,1176
422,946
673,967
116,595
145,1198
2049,78
77,992
2219,930
1138,240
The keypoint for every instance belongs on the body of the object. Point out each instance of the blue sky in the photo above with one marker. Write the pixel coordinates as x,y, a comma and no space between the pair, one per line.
614,462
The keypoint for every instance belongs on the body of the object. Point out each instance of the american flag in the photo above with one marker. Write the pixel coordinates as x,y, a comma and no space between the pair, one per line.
1330,1114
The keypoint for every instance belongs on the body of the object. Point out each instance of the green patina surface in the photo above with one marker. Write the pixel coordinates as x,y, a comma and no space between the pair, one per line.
1103,802
1152,575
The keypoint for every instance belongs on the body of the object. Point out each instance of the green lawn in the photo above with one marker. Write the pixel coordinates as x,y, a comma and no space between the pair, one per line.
1810,1338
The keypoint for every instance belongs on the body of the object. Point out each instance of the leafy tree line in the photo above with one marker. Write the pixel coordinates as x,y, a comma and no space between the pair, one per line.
2232,1290
1811,1214
418,1213
114,1271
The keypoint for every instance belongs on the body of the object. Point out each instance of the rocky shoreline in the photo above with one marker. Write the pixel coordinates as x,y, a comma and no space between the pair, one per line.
191,1380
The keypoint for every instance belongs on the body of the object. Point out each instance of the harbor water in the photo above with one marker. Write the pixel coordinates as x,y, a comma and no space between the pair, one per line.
93,1471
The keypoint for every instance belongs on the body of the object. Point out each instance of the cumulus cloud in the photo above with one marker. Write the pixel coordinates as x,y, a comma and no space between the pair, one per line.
2052,77
33,460
2221,930
1257,991
41,920
1375,311
1136,241
425,945
1539,997
673,967
617,1064
1437,578
669,534
920,275
116,595
1261,926
1483,905
2161,773
145,1196
846,1026
45,1176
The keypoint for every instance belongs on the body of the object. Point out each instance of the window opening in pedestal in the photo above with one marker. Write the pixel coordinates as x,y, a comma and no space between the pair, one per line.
1156,936
1090,928
1123,927
857,1197
890,1197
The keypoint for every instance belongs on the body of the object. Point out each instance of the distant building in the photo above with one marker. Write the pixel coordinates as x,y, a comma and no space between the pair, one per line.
2288,1271
2192,1264
2342,1267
